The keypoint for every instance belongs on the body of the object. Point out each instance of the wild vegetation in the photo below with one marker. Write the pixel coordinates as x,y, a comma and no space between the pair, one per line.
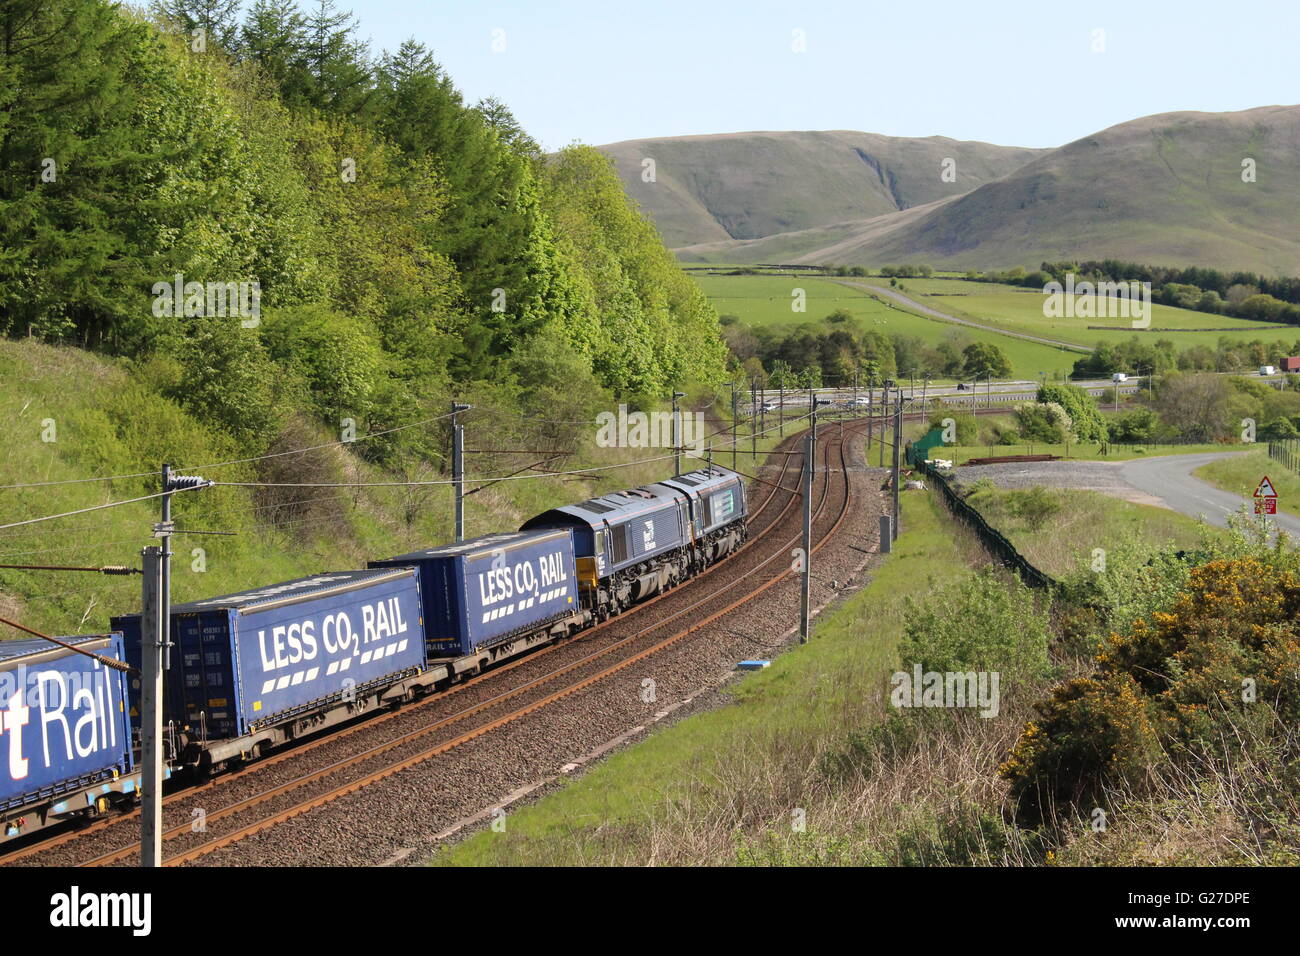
225,236
402,242
1140,720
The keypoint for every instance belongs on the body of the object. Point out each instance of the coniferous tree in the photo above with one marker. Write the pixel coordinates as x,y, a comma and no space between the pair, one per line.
274,34
339,62
71,163
217,18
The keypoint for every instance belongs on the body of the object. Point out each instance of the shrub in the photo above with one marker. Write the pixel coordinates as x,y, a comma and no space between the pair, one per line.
1081,407
1043,422
1138,425
987,623
1213,676
967,424
337,355
1033,506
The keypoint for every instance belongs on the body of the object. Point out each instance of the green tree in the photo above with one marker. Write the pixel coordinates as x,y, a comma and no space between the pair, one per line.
74,168
337,61
984,359
1081,406
218,19
274,35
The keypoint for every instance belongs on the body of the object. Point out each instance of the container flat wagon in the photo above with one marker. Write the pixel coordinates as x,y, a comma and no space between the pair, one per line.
495,596
259,668
66,734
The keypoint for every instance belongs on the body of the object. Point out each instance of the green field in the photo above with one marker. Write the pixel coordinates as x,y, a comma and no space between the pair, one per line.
1088,451
1086,520
765,300
1021,310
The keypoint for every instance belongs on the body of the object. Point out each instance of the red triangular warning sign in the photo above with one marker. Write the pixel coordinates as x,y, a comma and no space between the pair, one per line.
1265,489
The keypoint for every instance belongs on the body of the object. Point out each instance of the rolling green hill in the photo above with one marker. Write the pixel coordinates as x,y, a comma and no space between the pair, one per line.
749,185
1165,188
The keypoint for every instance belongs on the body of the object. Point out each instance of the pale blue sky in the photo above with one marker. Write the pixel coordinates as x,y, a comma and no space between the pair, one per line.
1013,73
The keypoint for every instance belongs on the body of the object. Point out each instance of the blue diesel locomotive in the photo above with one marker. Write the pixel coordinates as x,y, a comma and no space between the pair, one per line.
632,545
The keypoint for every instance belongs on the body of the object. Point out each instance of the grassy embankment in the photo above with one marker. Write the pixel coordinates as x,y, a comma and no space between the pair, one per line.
1061,539
1241,476
808,764
107,418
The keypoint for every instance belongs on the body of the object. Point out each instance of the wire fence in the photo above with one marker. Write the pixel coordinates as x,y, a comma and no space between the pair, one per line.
1286,452
993,540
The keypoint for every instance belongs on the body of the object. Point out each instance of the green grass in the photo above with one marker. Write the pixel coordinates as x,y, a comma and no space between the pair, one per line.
1021,310
960,454
643,804
108,420
765,300
1085,520
1241,476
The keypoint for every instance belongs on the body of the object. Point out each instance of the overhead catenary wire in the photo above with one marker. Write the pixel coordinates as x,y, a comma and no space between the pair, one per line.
222,464
434,481
295,451
82,511
477,479
112,662
330,444
102,569
357,484
77,481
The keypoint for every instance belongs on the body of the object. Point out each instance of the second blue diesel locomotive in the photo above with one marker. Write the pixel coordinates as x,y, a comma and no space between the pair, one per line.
632,545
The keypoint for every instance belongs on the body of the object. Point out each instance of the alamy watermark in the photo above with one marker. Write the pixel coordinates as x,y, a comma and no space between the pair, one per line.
654,430
1098,300
949,689
179,298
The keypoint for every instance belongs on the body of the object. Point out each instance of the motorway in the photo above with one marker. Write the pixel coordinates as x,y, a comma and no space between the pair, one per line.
981,395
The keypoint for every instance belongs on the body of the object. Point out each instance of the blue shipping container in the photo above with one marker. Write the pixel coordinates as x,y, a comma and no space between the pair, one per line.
249,660
486,590
65,724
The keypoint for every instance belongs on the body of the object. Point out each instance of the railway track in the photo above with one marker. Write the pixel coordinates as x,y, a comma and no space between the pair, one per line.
419,745
66,848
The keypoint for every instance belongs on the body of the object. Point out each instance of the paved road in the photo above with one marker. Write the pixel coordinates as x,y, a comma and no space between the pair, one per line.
1165,480
936,314
1170,479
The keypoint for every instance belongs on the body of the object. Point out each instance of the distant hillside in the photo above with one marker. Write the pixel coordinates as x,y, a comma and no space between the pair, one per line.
750,185
1164,188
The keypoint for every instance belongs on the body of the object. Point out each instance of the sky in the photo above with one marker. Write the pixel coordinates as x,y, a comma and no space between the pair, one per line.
1013,73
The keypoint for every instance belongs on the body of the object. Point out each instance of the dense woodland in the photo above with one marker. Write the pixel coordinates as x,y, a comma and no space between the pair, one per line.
405,243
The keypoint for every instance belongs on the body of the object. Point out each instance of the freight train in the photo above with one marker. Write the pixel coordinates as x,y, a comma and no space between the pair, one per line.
260,668
65,734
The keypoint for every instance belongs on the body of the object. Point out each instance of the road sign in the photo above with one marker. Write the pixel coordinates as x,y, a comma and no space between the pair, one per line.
1265,489
1265,506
